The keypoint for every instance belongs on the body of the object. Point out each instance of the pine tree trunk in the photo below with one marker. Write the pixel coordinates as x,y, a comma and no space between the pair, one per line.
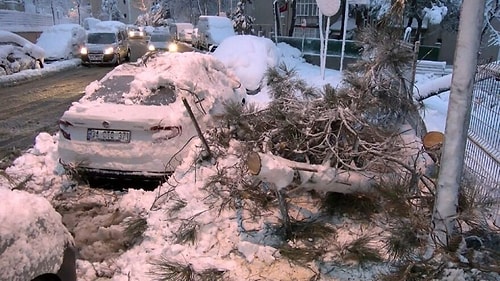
457,121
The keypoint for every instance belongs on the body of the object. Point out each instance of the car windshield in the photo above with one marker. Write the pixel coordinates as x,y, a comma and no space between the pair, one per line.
159,37
101,38
113,89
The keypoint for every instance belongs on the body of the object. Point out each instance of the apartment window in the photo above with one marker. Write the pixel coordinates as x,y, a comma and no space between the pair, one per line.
307,8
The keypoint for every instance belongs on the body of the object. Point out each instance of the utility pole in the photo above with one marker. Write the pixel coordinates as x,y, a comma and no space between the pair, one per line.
457,121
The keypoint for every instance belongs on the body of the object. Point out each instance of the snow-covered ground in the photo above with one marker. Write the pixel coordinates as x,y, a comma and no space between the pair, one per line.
224,240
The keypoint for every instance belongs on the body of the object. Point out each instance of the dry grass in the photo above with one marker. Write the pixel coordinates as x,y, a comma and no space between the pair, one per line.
412,272
165,270
311,230
403,240
75,173
359,250
134,229
300,254
187,232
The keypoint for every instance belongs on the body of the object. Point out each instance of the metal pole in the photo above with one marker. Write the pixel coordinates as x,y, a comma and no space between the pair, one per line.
276,18
346,16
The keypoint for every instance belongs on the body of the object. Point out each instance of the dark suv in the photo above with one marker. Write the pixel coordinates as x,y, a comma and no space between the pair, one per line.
106,47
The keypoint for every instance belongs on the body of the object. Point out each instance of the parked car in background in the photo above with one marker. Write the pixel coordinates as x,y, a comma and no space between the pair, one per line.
135,32
90,23
107,43
180,31
34,243
134,121
18,53
160,41
253,55
186,35
211,31
62,41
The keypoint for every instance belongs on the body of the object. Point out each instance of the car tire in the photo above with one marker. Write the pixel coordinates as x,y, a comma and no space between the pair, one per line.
3,71
127,58
47,277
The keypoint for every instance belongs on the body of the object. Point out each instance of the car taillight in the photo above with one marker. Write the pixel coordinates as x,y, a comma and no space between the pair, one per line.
63,125
163,133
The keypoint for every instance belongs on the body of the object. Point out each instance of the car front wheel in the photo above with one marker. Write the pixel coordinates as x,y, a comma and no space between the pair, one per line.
127,58
47,277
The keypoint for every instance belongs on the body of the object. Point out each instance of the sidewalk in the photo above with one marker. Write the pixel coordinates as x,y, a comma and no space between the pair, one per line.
34,74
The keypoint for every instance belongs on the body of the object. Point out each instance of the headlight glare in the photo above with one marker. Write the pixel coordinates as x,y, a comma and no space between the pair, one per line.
84,51
108,51
172,47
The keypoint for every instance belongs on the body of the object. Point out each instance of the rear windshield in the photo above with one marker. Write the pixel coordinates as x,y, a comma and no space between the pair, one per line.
101,38
112,91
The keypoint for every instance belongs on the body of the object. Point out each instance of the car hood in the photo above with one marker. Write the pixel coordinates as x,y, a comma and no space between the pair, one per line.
99,47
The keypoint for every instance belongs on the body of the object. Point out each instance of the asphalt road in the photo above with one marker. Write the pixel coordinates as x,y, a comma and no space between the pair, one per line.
35,106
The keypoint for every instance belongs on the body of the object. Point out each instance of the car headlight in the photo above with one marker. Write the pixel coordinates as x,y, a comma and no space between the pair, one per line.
109,51
151,47
172,47
84,51
131,33
141,33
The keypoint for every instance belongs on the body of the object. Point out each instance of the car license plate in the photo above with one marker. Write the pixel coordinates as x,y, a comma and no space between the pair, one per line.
95,57
108,135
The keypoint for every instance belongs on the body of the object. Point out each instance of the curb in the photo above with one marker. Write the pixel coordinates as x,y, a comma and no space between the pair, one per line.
36,74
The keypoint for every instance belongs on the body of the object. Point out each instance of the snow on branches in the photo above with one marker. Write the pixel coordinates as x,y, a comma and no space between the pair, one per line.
361,132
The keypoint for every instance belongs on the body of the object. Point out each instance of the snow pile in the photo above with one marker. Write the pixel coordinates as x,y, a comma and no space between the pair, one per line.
254,55
62,41
32,241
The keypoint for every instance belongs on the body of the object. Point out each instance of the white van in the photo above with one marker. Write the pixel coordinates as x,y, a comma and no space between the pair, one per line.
107,43
179,31
212,30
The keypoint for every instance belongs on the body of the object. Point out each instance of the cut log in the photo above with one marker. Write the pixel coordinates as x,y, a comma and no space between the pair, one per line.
433,143
283,172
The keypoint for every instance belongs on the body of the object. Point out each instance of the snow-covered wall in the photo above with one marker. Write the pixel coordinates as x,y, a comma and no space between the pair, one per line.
16,21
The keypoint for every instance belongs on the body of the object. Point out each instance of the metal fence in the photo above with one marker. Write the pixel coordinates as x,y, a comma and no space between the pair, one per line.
482,154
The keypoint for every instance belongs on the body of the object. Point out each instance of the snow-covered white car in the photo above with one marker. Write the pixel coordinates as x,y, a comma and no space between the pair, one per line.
34,243
135,122
211,31
18,53
62,41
